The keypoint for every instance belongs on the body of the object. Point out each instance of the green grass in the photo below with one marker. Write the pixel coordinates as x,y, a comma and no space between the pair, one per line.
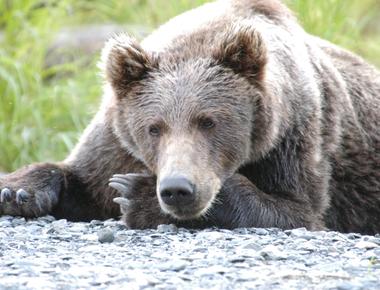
42,117
349,23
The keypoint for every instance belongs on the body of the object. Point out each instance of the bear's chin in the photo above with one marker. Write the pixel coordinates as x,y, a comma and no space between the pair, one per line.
186,213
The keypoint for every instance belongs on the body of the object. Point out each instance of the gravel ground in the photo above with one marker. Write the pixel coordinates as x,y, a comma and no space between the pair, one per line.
55,254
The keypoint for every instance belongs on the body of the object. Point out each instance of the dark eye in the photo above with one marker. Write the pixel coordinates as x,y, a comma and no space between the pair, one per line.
154,130
206,123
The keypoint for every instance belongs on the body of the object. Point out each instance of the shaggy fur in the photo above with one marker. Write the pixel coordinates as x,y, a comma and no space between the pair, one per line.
273,127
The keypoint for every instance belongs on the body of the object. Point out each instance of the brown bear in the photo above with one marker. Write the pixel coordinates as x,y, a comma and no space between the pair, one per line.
229,115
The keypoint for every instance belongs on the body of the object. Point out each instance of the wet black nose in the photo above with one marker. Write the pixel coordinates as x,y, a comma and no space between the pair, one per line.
177,191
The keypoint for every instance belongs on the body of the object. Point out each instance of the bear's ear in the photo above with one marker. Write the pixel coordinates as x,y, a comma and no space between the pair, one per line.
124,61
242,49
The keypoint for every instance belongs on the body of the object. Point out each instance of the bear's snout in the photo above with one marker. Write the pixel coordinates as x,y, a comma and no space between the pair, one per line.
186,181
177,191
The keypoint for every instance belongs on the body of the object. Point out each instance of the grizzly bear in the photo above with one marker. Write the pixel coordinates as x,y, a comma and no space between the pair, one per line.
229,115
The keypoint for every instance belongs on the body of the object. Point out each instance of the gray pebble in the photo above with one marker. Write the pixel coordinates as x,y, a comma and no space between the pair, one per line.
173,265
59,224
353,236
18,221
271,252
96,223
167,228
261,232
348,286
110,223
301,233
374,240
5,223
366,245
6,218
251,245
208,235
106,235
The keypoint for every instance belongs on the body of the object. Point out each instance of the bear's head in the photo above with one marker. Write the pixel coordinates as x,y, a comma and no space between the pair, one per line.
189,113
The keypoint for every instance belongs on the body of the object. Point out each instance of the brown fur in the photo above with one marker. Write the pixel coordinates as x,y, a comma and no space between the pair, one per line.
272,9
295,140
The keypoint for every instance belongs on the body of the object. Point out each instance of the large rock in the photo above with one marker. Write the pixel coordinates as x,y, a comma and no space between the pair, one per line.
74,43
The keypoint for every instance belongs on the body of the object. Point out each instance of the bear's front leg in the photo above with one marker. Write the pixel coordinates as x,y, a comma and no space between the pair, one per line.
241,204
139,203
31,191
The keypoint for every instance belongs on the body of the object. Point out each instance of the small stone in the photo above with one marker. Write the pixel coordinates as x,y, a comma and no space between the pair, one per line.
106,235
46,219
302,233
5,224
167,228
33,229
59,223
79,227
213,270
273,253
6,218
174,265
64,237
350,254
309,263
211,236
251,245
353,236
307,246
96,223
374,240
157,242
110,223
366,245
243,231
370,255
18,221
347,285
261,232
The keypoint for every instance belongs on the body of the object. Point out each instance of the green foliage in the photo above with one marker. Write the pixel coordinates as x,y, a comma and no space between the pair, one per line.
146,12
42,116
352,24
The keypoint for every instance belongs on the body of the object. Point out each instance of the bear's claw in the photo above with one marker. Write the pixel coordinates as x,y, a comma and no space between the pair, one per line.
22,196
121,201
119,187
123,181
5,195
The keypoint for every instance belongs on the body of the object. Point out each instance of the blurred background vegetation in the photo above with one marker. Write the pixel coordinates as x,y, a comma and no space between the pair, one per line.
44,107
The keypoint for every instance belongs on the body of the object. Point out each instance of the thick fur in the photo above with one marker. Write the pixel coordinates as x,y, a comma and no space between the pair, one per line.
296,141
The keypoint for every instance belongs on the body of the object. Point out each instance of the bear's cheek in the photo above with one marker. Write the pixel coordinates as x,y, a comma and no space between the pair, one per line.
229,152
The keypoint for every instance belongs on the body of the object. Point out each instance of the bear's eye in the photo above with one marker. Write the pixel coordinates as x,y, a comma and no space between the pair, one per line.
154,130
206,123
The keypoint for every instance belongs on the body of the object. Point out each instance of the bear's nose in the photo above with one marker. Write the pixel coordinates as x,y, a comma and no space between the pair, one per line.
177,191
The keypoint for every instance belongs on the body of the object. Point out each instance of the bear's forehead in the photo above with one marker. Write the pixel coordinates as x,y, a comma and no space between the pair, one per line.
193,87
183,95
187,100
196,79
